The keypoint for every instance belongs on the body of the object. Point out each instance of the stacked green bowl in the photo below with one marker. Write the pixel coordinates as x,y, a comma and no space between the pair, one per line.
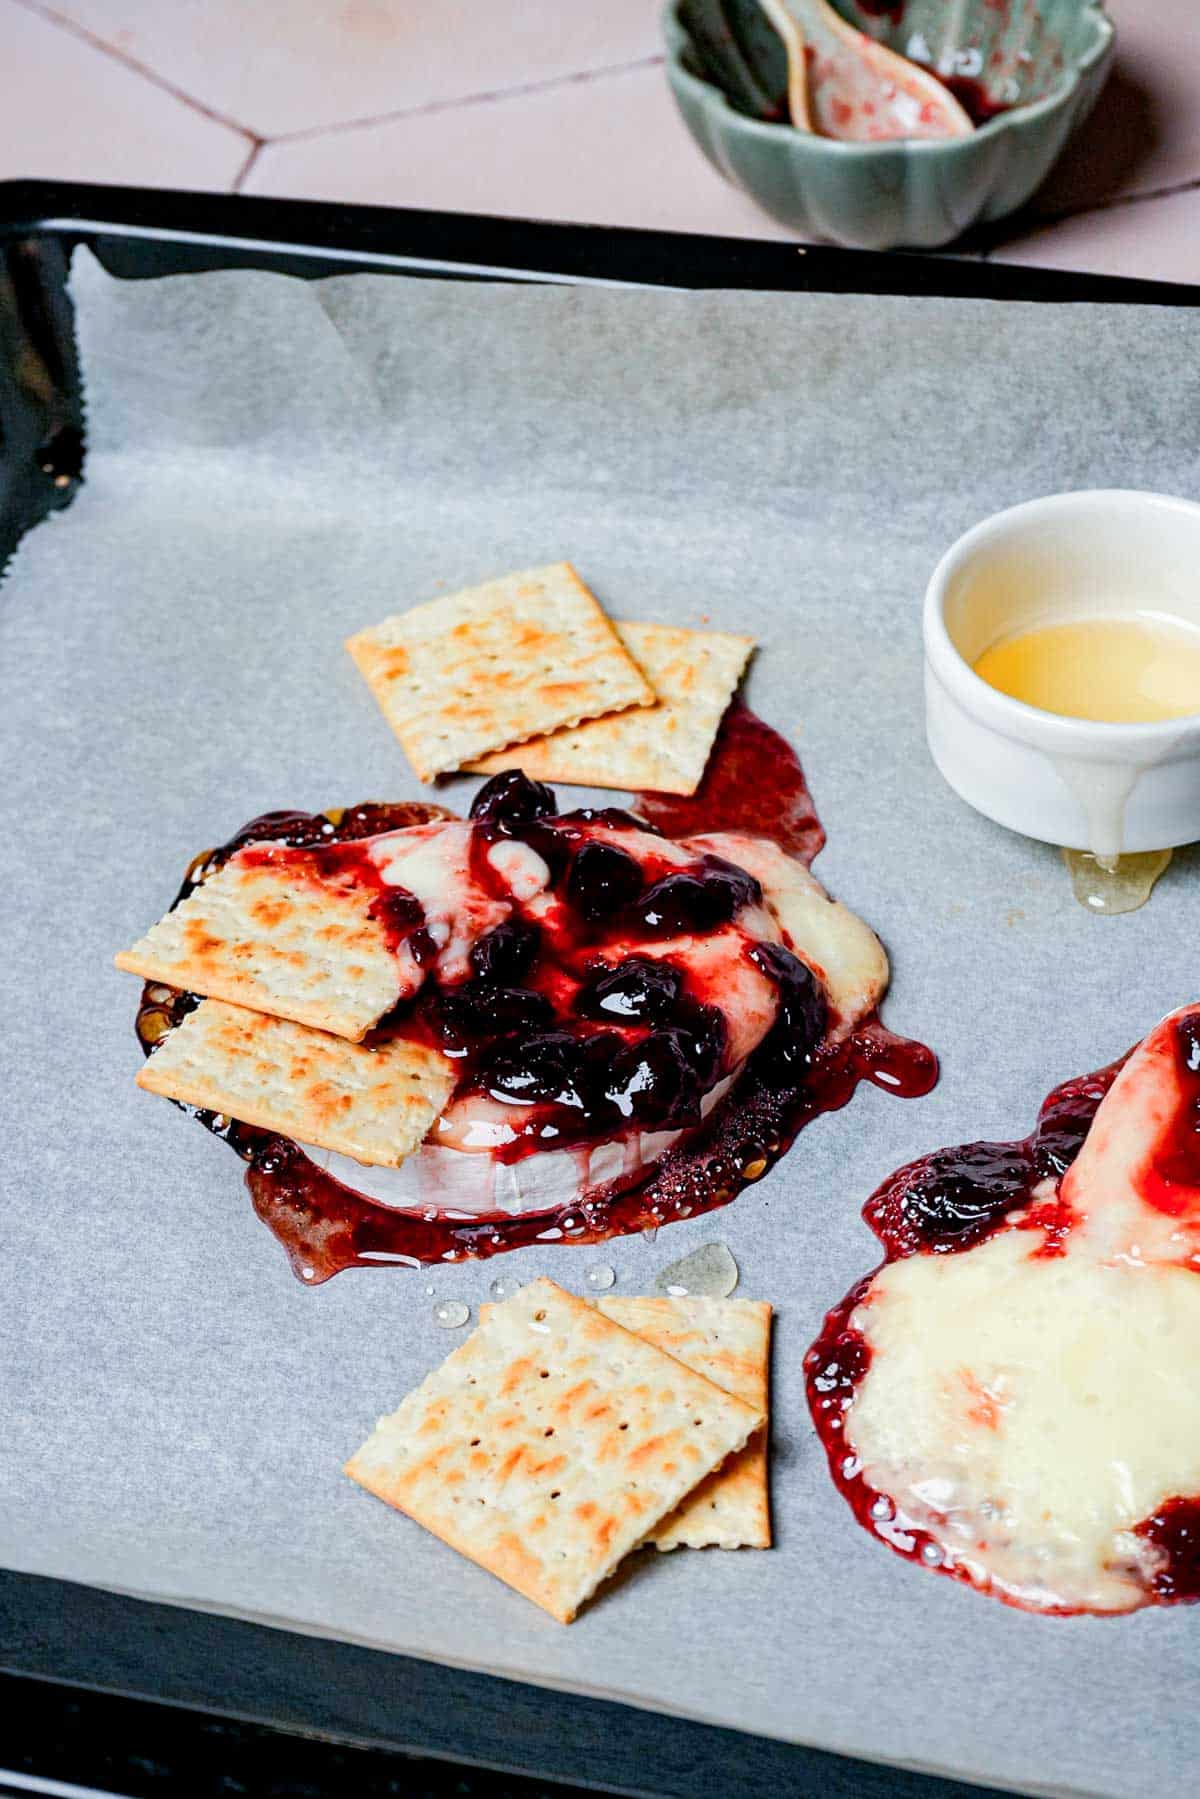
1028,70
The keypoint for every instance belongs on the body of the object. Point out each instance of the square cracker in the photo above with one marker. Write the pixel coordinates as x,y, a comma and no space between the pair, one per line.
728,1341
663,749
550,1444
276,937
373,1104
514,658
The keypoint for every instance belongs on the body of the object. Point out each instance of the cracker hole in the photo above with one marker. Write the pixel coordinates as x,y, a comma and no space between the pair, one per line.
539,1317
622,1427
545,1375
557,1493
697,1421
548,1433
474,1442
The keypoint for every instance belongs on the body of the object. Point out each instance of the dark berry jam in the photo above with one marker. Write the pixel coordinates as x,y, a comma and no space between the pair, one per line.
470,1017
602,880
980,106
695,899
507,953
638,990
633,1046
510,800
803,1014
1174,1530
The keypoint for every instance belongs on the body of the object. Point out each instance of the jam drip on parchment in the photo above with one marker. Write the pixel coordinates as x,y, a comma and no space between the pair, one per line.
955,1198
754,783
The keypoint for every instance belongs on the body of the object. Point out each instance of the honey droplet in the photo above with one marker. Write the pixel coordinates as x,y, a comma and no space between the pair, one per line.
709,1271
451,1314
1124,887
153,1026
600,1277
505,1286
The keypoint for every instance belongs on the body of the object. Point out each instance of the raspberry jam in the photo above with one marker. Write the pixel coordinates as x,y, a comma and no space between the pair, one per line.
955,1198
629,1044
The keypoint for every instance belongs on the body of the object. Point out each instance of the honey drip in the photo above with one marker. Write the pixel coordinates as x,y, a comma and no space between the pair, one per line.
1117,884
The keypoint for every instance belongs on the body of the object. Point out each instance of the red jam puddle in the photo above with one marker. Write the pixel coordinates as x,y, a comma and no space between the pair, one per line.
754,783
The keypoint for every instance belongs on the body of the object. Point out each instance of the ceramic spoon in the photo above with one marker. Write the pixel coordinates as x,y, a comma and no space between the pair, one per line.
841,83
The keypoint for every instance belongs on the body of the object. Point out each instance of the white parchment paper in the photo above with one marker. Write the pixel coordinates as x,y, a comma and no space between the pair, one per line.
274,465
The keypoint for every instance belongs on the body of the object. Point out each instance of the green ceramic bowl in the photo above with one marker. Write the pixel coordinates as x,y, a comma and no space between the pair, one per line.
1042,61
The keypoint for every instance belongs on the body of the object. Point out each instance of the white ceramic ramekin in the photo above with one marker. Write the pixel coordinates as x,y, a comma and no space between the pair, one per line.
1100,787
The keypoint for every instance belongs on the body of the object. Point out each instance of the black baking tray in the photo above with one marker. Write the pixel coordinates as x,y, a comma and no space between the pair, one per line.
141,1698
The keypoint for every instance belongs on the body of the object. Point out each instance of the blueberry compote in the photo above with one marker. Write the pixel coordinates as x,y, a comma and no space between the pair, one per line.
586,1048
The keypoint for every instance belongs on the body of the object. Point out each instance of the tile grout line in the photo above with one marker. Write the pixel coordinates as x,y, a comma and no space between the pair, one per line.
255,151
51,16
257,143
487,97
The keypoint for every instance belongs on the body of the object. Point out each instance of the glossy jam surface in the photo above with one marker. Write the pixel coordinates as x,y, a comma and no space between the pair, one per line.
1174,1530
753,782
1135,669
956,1199
582,1048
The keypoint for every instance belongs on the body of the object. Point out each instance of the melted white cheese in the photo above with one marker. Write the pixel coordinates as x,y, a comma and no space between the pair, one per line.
1028,1410
521,868
456,1168
843,951
433,862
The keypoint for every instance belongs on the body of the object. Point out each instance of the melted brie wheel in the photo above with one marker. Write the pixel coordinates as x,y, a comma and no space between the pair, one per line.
459,1168
1028,1409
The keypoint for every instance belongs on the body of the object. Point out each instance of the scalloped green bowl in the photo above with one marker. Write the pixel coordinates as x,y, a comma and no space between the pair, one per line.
1045,62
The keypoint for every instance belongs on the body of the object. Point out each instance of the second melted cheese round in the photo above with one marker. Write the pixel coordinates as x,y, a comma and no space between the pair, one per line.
1028,1411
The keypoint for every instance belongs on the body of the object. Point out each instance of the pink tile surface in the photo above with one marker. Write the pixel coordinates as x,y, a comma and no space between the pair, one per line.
72,114
278,66
608,151
518,107
1154,239
1145,131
